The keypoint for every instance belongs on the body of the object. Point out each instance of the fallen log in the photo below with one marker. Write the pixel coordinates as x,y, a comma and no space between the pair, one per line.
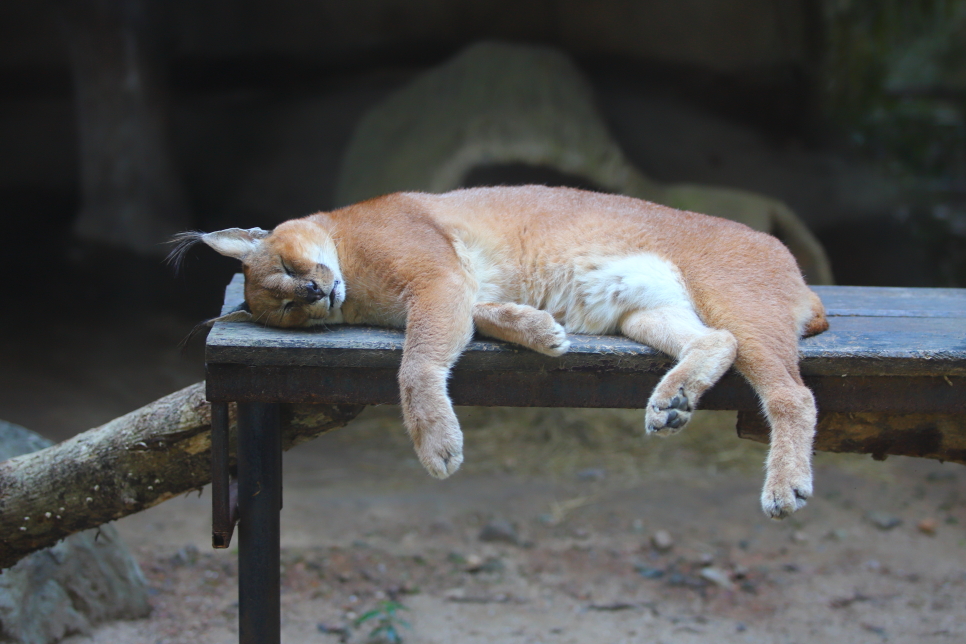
127,465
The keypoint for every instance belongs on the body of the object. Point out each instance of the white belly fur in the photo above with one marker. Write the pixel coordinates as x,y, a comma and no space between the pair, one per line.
603,295
591,295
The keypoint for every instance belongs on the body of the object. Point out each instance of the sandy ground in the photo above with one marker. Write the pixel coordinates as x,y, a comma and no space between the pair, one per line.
362,523
574,500
574,557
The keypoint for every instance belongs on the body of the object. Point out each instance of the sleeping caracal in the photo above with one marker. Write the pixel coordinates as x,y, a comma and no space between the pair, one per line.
530,264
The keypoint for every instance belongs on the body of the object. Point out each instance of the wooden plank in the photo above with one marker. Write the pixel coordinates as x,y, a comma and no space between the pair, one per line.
882,346
844,299
569,388
887,346
588,388
897,345
925,435
921,302
893,313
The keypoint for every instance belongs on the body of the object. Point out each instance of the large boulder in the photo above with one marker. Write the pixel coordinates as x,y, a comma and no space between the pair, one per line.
87,578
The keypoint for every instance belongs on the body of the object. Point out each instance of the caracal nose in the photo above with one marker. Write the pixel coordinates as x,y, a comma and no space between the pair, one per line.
313,293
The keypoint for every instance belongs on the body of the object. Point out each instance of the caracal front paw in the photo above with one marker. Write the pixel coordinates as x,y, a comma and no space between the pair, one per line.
441,451
667,415
786,490
549,337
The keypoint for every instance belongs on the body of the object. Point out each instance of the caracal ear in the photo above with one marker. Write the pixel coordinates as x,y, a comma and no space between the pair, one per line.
235,242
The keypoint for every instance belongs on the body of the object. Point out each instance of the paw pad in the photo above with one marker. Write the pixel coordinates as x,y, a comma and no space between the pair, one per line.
665,416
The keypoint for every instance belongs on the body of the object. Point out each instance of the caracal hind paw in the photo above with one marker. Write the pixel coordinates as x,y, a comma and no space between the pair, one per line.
783,495
666,416
441,457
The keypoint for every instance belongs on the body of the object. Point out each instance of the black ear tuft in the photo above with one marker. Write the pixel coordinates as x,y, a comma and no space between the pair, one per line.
182,243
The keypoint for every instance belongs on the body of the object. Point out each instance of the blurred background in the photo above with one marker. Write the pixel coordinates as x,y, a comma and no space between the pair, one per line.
838,125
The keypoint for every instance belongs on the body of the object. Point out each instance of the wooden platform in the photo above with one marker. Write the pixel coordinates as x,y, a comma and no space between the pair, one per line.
889,376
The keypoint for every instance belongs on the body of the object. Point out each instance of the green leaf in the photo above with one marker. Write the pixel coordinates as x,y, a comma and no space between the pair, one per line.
365,617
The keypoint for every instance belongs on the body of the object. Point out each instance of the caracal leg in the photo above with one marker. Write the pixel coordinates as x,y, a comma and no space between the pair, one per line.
703,354
438,327
790,408
523,325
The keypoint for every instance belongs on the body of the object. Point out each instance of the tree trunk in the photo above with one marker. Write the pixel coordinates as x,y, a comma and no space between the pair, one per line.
131,463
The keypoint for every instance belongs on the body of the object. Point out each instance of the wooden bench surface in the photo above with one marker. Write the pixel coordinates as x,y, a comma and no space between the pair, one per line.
889,376
874,331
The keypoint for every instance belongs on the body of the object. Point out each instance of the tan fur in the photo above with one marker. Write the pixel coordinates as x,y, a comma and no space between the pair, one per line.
521,264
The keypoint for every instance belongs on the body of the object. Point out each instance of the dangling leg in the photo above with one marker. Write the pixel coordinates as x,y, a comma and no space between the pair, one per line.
790,409
438,327
523,325
703,354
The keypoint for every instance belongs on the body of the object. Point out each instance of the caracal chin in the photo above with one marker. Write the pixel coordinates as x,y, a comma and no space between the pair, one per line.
531,264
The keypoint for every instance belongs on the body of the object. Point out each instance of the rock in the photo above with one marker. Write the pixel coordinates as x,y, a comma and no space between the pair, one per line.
328,629
441,526
187,556
718,577
500,530
501,104
686,581
476,563
662,541
649,572
16,440
837,534
928,526
613,606
593,474
87,578
883,520
456,558
878,630
492,564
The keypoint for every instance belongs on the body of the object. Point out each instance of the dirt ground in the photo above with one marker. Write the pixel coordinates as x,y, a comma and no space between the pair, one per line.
562,526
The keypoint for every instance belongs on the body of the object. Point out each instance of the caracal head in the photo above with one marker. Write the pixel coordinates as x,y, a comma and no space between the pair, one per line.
292,275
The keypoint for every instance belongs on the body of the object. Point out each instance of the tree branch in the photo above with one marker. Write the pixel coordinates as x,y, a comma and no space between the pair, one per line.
133,462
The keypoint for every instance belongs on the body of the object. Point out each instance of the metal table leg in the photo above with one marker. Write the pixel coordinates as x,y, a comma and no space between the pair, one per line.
259,502
224,491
